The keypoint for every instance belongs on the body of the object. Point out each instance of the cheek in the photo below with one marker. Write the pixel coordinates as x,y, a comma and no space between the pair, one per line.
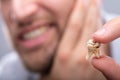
5,7
60,8
6,16
6,11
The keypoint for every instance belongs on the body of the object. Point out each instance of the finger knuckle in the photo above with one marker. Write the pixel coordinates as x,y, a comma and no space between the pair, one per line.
64,56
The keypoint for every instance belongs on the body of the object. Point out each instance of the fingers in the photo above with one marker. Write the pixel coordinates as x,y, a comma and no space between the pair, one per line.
72,31
91,24
93,20
108,67
109,32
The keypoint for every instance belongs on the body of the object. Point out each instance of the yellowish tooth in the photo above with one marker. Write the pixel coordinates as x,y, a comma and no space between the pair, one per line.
43,29
35,33
93,49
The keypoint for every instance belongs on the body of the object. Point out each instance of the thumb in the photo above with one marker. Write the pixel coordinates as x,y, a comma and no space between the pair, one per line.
109,32
108,67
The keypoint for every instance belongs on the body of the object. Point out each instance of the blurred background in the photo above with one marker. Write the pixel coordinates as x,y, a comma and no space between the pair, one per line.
111,6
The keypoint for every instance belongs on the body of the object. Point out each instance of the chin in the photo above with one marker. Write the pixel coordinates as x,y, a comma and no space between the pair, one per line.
39,60
38,66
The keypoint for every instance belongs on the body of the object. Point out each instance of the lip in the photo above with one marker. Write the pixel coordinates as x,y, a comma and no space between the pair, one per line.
35,25
40,39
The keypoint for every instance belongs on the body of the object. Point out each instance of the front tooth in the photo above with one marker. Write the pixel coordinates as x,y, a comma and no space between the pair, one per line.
32,35
43,29
35,33
26,36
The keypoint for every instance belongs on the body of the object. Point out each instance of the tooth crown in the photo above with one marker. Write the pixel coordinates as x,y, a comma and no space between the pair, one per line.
93,49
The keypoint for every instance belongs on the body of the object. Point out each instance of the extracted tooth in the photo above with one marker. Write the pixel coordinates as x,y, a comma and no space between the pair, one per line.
93,49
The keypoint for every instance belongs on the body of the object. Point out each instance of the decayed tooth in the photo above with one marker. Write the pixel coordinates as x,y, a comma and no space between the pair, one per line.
93,49
35,33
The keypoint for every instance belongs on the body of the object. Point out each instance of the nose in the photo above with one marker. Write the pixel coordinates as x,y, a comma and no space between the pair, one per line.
23,9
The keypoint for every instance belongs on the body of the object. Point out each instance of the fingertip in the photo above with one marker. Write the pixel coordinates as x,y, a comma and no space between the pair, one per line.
96,62
109,32
101,36
98,35
102,61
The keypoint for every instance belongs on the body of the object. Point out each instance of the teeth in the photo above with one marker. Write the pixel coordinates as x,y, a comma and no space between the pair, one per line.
35,33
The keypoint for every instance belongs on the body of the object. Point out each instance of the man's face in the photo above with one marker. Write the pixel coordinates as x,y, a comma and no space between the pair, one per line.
36,27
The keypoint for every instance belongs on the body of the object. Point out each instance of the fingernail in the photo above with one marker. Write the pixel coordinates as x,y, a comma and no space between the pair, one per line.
100,32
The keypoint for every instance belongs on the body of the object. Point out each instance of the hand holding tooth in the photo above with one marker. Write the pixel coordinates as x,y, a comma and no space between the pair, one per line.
108,66
70,62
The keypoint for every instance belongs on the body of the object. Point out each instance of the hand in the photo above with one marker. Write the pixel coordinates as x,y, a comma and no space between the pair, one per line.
70,63
109,32
107,65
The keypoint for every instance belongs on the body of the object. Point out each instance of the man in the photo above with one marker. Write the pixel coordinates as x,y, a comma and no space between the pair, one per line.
50,36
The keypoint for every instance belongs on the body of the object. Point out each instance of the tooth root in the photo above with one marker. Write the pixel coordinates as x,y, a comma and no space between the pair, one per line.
88,56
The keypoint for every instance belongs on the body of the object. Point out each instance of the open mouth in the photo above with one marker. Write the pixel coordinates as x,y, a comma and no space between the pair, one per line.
33,34
36,35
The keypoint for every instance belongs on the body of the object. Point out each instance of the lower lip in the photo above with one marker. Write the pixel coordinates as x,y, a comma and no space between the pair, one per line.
37,41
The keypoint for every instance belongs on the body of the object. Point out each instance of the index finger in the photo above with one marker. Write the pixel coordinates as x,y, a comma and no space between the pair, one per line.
109,32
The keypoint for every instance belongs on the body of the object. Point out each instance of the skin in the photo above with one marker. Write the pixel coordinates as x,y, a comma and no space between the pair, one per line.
66,45
108,33
18,9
